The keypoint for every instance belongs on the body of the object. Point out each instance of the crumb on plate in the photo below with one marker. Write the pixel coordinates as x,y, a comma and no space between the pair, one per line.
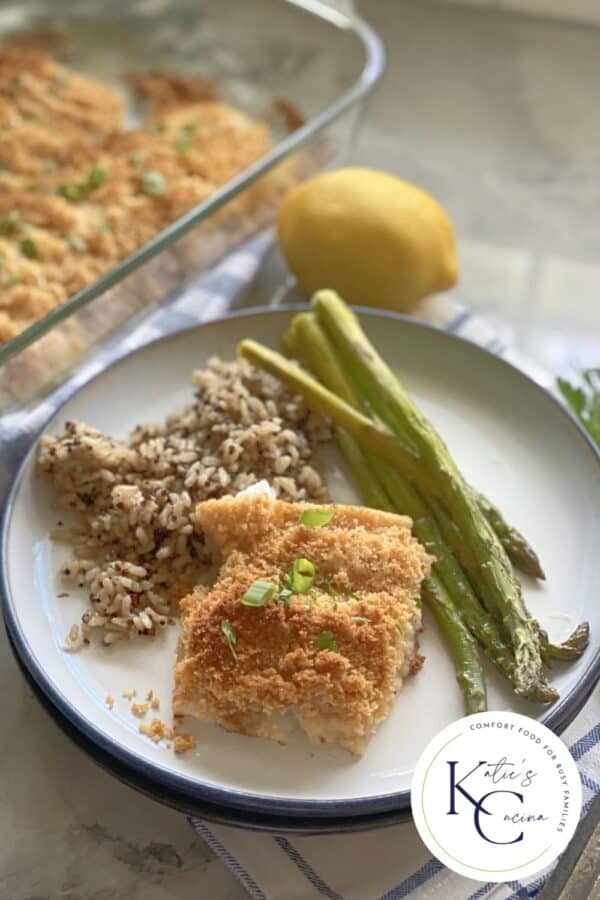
156,730
183,742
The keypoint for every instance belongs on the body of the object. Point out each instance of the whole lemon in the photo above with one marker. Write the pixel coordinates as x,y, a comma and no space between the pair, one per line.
376,240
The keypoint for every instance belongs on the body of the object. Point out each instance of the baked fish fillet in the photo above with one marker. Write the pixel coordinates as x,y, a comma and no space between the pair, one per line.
331,657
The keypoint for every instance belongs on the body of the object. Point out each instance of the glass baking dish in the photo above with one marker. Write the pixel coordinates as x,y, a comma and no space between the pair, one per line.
320,62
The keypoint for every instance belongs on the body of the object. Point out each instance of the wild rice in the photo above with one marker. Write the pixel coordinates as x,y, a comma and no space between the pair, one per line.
137,547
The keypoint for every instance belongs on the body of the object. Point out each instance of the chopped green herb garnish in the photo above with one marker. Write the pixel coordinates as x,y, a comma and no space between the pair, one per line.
353,595
360,619
63,594
154,183
258,593
302,575
157,127
326,641
229,636
12,280
29,248
316,518
184,140
12,221
329,588
80,189
74,191
399,627
97,176
137,157
284,594
77,243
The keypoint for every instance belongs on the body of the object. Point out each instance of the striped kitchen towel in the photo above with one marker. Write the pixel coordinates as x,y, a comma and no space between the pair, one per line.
384,864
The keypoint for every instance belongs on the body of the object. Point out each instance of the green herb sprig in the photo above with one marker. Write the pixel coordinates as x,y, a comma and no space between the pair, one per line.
584,400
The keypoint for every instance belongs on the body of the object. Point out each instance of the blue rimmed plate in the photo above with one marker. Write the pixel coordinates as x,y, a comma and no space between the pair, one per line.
512,440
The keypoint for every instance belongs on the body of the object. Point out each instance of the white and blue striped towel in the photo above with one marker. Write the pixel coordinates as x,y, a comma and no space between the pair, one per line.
386,864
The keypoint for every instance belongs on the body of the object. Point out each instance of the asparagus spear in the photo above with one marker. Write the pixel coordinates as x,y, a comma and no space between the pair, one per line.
486,562
520,553
572,648
462,644
371,490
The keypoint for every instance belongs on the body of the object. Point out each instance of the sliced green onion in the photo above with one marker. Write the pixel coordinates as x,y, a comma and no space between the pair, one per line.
316,518
303,575
157,127
229,636
137,157
77,243
79,190
12,280
154,183
12,221
29,248
399,627
360,619
97,176
258,593
74,191
184,141
326,641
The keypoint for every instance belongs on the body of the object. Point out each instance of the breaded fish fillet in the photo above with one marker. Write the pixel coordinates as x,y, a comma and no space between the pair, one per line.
332,655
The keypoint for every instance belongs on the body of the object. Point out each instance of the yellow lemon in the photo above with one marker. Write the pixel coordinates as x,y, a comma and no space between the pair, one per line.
376,240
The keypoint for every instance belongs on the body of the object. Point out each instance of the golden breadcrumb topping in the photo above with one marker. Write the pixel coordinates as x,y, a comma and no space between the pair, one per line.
79,193
333,655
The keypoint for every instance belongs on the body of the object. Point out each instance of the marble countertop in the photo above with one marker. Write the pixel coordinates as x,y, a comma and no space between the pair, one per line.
69,830
495,113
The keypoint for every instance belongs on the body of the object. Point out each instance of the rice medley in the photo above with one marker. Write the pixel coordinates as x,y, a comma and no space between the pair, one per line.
137,547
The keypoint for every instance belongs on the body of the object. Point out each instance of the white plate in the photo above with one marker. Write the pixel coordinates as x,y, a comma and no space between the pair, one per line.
512,440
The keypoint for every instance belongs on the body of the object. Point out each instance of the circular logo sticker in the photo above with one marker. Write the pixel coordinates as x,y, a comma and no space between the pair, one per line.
496,796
